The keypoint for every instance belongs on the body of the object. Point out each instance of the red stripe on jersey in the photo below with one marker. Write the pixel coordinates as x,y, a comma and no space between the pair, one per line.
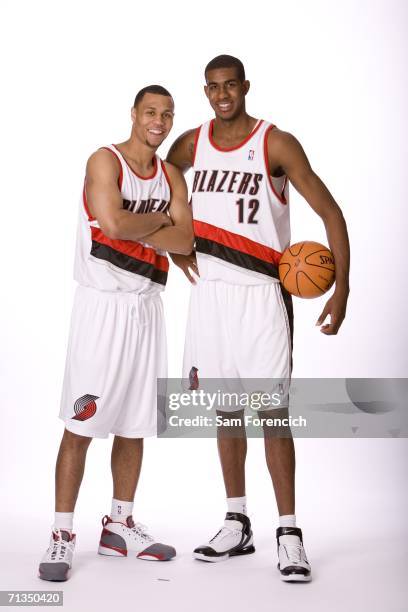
132,249
238,146
281,198
236,241
196,137
163,165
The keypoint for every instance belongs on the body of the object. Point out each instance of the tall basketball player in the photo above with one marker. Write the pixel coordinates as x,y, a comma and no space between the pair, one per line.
240,319
134,208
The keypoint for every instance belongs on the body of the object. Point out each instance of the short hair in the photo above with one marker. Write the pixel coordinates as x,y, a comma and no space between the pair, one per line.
226,61
154,89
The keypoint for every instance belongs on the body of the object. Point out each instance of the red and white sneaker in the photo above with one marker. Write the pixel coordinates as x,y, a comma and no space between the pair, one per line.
57,560
119,539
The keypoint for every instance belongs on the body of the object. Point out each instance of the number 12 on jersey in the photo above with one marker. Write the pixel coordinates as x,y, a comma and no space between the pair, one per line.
253,206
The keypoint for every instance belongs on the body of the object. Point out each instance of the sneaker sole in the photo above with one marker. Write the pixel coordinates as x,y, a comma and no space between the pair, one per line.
115,552
111,551
235,553
296,578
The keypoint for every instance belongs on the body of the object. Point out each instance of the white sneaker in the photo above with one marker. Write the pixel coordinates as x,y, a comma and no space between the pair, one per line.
118,539
293,564
234,538
57,560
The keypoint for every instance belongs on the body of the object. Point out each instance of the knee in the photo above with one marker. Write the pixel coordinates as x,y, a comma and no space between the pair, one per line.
75,441
231,425
121,441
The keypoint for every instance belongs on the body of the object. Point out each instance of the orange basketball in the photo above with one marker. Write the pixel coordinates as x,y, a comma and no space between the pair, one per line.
306,269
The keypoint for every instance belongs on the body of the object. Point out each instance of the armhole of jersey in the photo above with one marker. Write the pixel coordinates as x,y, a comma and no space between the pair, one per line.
120,179
85,202
166,174
196,137
281,197
285,184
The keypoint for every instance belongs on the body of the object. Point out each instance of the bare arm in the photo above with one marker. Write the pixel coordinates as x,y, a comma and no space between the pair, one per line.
106,205
181,153
286,153
179,237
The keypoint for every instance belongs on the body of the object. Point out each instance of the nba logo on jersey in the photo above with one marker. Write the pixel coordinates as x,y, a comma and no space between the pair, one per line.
251,154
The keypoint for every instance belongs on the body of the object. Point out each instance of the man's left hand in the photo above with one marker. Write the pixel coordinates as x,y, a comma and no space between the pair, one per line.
336,308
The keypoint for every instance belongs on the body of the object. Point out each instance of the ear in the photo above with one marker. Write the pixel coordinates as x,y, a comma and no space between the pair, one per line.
133,114
246,86
206,91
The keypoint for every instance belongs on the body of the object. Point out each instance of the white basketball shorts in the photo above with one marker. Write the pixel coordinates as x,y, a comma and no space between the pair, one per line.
238,332
116,351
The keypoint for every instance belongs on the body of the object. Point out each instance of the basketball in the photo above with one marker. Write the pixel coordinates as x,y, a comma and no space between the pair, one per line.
306,269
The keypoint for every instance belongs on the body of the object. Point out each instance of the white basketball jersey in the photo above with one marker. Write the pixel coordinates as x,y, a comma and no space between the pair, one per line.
124,265
241,213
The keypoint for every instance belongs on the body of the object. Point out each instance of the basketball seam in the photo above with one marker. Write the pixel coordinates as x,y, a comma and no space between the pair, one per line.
298,253
285,263
308,277
314,253
319,266
297,284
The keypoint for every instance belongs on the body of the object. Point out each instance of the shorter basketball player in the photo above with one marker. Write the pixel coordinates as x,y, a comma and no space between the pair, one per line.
240,322
134,209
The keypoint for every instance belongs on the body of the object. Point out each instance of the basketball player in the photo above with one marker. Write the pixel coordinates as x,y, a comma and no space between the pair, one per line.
240,319
134,208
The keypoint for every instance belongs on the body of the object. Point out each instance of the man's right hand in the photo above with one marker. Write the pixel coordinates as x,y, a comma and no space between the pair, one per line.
185,262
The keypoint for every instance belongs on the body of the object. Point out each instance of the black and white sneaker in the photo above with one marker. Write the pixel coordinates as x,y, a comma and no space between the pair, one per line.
234,538
293,564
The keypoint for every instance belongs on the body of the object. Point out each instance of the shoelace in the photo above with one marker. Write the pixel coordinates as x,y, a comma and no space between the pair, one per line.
59,549
223,532
141,530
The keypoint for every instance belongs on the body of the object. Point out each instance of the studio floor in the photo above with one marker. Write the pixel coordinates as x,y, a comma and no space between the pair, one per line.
351,507
358,572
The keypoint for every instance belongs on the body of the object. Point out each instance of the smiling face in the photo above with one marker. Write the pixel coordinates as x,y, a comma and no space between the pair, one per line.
153,119
226,93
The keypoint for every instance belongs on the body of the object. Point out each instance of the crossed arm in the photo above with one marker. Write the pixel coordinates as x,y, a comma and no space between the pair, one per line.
171,232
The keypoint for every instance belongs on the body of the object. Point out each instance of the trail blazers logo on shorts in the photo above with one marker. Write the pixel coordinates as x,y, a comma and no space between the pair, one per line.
85,407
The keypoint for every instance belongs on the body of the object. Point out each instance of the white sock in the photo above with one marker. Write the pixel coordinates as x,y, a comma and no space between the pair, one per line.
64,520
287,520
237,504
121,510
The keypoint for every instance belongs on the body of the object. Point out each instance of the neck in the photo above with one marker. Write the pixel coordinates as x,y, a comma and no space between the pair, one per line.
242,123
138,152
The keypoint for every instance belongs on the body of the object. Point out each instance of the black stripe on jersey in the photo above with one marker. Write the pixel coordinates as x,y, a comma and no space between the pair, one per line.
209,247
120,260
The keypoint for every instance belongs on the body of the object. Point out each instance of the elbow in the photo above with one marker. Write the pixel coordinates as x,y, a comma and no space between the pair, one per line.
187,246
111,230
333,216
